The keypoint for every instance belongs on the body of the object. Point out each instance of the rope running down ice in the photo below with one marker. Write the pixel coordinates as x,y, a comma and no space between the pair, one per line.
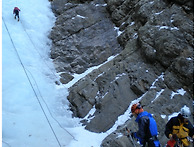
38,87
30,82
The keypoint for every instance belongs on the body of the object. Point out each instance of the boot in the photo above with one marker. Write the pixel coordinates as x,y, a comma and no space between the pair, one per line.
18,19
15,16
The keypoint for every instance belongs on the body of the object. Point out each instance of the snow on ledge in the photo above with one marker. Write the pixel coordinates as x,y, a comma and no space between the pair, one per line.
179,91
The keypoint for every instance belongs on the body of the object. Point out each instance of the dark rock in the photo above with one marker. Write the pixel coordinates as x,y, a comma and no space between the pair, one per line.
65,78
82,37
155,61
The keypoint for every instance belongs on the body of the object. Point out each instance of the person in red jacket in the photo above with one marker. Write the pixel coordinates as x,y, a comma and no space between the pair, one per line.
16,12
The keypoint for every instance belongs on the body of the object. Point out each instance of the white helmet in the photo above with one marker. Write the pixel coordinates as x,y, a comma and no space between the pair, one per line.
185,112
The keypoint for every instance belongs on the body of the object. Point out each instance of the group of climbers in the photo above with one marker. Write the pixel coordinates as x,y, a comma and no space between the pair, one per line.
178,129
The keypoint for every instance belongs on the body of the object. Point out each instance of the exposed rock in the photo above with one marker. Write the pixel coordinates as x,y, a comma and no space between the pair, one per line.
154,62
65,78
82,37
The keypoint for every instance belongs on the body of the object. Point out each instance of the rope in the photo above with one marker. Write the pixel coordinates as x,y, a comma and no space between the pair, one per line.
6,143
31,83
48,107
38,51
38,87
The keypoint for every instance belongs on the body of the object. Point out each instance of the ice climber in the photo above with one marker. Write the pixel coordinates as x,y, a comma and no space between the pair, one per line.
147,132
16,12
179,129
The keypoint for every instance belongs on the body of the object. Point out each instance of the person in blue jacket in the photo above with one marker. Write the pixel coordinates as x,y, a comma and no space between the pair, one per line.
147,132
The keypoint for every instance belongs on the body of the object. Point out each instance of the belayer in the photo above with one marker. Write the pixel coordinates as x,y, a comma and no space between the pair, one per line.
16,12
147,133
179,129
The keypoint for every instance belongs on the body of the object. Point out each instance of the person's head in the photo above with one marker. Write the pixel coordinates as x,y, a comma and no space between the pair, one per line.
185,112
136,109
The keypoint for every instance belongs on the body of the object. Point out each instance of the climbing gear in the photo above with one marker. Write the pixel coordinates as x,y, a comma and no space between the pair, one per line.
173,142
130,136
185,112
182,133
176,142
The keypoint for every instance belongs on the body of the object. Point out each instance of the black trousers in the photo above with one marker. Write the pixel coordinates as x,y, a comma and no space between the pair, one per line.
149,143
16,12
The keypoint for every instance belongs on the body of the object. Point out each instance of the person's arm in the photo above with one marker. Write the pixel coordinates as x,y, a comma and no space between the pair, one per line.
168,129
191,129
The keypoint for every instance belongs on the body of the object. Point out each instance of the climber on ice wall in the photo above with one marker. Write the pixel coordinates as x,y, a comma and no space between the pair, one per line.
16,12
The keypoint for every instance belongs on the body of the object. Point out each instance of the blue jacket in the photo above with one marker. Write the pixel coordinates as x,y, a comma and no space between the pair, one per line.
147,127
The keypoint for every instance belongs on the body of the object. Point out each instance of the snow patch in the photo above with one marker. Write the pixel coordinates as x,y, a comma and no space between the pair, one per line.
135,36
158,94
99,76
189,59
179,92
119,135
173,115
100,5
90,115
160,77
120,75
163,116
80,16
167,28
158,13
132,23
118,31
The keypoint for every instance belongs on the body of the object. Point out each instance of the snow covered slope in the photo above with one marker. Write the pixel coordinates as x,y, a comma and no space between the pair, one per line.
33,113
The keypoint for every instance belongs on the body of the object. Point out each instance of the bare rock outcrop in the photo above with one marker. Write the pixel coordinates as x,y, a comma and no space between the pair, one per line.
154,49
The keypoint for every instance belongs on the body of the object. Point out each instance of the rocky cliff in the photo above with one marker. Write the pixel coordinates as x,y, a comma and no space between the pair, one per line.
153,47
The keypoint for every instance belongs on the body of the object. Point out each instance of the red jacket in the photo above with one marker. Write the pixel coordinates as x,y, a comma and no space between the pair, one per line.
16,8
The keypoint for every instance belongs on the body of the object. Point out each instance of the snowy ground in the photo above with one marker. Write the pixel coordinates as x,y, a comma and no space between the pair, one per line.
34,109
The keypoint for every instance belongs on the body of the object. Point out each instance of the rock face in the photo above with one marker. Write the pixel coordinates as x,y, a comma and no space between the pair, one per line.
83,37
154,49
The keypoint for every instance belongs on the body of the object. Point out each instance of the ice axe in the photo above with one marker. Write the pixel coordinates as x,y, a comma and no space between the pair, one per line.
131,138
